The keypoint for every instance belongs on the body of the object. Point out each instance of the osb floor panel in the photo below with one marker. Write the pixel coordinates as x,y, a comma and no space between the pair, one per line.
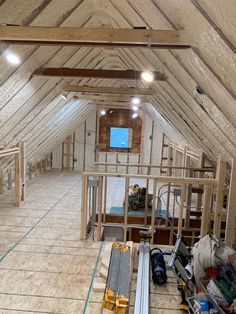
44,267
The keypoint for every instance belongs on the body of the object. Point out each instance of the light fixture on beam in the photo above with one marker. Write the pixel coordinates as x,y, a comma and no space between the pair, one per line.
147,76
135,108
103,112
134,115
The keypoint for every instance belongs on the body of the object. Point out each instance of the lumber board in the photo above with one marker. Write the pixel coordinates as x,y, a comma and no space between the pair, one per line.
43,35
108,90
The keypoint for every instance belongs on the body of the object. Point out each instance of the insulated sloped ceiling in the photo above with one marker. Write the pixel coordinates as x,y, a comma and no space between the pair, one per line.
31,107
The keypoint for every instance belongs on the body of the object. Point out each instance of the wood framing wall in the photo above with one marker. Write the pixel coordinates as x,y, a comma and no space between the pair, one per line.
77,151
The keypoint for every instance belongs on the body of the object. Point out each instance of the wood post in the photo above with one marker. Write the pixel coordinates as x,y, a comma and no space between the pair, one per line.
154,199
230,230
205,222
220,176
17,179
181,208
105,199
126,208
184,161
201,175
174,161
99,208
146,198
84,208
23,171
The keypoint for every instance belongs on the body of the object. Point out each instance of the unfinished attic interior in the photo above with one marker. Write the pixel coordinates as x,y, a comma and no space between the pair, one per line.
117,156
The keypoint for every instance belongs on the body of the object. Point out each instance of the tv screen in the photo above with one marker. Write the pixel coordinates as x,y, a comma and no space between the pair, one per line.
120,137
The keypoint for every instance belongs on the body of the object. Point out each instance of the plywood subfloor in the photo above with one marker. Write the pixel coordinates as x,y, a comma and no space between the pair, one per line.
44,267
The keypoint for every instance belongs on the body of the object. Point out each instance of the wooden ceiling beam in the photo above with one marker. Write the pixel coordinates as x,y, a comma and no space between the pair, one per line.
76,36
118,98
109,103
108,90
96,74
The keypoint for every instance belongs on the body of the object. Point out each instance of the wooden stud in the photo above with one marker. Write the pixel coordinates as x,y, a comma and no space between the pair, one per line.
220,176
181,208
154,199
205,222
174,162
23,171
17,179
99,208
189,201
184,161
126,208
169,173
105,199
230,230
84,208
201,175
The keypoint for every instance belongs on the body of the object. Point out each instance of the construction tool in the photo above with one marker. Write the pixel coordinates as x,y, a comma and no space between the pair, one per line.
180,258
116,296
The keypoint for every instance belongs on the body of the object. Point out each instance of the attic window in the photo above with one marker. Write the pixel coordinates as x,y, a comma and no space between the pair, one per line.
121,137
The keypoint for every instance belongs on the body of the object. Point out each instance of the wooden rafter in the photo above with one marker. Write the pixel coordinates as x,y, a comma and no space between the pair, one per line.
97,74
42,35
108,90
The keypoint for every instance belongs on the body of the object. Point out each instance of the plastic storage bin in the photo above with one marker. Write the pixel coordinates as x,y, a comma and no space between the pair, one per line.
212,304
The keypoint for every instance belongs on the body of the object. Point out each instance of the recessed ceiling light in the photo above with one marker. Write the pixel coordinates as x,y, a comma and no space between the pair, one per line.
135,108
12,58
147,76
103,112
136,100
134,115
63,96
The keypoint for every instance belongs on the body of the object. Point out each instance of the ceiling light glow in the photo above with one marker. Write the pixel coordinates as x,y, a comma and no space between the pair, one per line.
135,108
103,112
12,58
147,76
136,101
134,115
